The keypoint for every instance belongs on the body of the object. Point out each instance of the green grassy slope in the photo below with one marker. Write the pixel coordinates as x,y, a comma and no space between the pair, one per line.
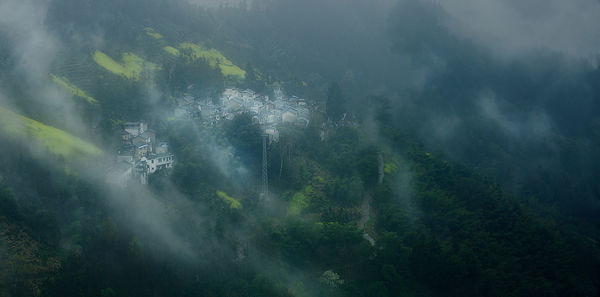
55,140
214,58
64,83
131,67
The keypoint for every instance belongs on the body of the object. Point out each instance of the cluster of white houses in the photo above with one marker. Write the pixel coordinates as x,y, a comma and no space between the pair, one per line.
269,111
140,154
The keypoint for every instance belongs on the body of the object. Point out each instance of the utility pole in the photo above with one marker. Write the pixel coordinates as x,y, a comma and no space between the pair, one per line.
265,176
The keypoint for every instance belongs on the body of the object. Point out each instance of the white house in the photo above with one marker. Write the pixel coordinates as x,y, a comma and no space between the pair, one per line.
155,162
135,128
273,134
289,116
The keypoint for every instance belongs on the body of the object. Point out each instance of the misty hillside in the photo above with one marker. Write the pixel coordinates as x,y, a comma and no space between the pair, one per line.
299,148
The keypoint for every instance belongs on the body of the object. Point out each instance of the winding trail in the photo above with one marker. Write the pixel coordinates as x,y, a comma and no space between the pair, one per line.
365,207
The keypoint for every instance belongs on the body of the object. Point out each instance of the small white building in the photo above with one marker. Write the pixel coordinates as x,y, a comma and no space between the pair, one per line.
271,119
273,134
135,128
234,105
289,116
154,162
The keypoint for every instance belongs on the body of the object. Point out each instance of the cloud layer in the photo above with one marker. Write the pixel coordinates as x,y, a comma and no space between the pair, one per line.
513,26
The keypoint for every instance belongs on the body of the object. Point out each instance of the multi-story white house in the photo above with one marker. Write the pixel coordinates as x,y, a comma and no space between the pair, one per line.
141,151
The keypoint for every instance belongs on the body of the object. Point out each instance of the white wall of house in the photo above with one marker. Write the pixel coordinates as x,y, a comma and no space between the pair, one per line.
135,128
154,163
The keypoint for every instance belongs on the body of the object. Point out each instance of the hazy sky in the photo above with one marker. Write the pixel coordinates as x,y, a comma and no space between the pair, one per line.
213,2
515,26
509,26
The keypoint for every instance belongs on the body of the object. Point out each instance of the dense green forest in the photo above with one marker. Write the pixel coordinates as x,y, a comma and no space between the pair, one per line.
431,166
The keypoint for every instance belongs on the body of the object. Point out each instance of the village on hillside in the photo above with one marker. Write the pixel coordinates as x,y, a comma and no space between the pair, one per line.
269,111
140,153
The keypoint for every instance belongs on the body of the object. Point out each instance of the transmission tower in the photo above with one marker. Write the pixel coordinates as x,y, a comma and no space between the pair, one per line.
265,175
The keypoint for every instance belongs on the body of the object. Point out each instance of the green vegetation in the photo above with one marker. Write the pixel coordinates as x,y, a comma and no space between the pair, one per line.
111,65
298,203
150,32
55,140
132,66
390,167
64,83
233,203
215,59
171,50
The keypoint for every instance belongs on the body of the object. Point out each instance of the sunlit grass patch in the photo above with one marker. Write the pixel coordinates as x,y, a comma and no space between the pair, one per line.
390,168
171,50
308,189
298,203
55,140
109,64
132,66
64,83
215,59
197,51
150,32
233,203
232,70
133,63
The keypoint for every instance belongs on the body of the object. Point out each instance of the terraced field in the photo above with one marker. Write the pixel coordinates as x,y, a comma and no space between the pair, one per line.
55,140
131,67
171,50
150,32
214,58
64,83
80,71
